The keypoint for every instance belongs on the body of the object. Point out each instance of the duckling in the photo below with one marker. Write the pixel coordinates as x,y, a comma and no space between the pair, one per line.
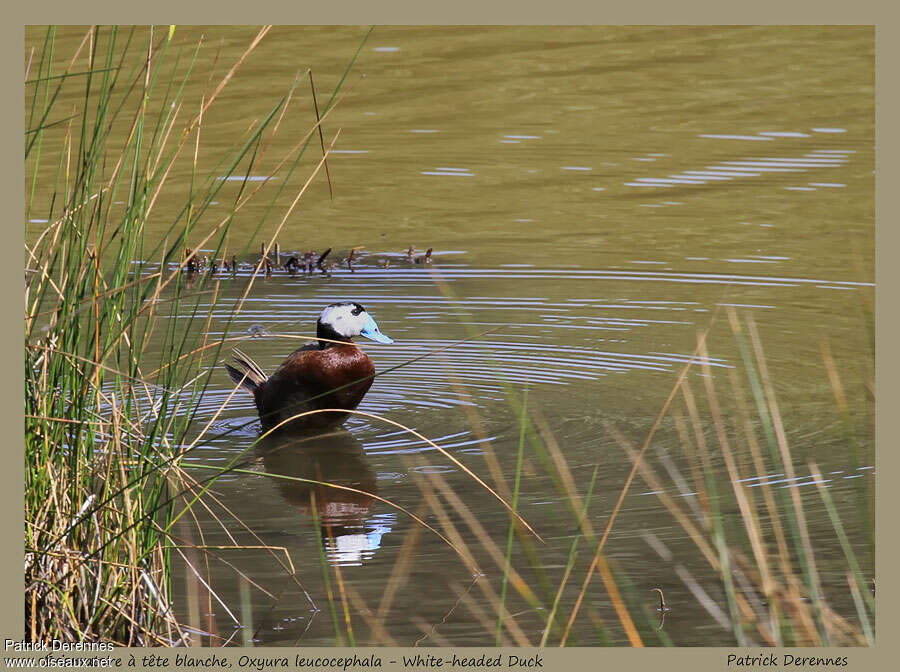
321,259
192,264
427,258
329,373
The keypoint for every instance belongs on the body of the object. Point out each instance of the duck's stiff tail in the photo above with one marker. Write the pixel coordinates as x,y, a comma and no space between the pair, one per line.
247,373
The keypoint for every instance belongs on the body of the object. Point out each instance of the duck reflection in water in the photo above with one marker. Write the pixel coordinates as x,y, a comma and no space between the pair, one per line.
349,532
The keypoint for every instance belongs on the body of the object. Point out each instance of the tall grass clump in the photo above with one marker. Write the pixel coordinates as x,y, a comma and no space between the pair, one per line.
105,422
745,506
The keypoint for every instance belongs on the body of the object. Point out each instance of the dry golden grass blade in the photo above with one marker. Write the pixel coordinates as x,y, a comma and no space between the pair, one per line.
217,228
439,511
378,633
556,599
476,422
432,632
787,462
312,87
562,467
259,36
509,620
833,376
338,574
287,565
484,538
781,560
287,214
428,632
421,437
651,479
246,337
740,600
28,64
400,572
208,550
67,420
165,140
360,492
431,499
694,464
708,552
612,590
758,462
627,486
751,523
206,585
704,466
478,613
211,421
164,178
274,133
222,341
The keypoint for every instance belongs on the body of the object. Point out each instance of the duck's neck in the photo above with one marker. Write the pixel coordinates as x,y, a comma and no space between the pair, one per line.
323,331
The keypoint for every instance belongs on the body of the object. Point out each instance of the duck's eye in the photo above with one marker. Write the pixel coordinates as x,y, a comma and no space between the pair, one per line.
357,310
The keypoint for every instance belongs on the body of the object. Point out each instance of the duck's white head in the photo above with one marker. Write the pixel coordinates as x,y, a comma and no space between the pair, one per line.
346,320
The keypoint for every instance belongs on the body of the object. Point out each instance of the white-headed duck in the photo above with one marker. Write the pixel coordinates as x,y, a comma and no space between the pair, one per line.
329,373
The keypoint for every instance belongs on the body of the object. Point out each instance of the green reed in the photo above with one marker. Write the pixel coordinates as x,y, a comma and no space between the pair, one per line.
512,520
105,422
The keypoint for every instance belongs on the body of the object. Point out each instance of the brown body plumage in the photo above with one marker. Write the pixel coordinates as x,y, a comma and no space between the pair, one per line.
334,377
